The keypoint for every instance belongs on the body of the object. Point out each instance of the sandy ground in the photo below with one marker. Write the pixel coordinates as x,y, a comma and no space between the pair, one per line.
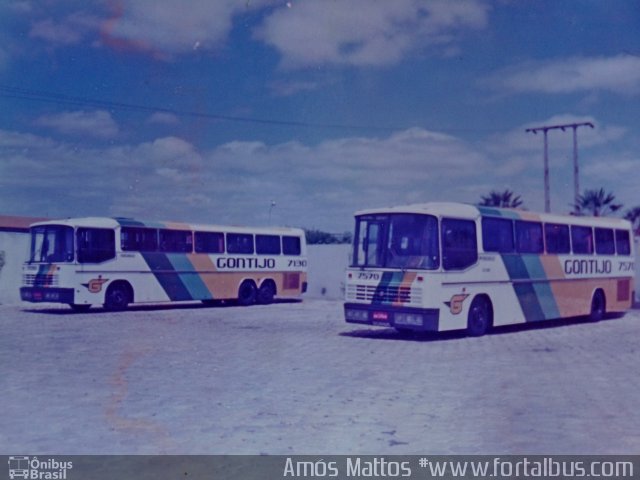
294,378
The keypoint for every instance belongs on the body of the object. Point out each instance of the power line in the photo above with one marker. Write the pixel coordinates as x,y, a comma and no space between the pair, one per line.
51,97
18,93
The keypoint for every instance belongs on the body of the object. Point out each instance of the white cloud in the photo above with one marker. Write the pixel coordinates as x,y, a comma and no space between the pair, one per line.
98,124
172,27
366,32
69,31
317,185
163,118
620,74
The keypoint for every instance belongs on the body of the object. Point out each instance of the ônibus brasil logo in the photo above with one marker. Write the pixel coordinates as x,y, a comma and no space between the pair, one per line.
36,469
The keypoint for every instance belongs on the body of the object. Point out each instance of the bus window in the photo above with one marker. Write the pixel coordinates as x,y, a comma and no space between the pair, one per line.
96,245
459,245
369,241
557,238
529,237
51,243
176,241
497,235
209,242
239,243
605,244
291,245
413,242
582,240
268,244
623,244
139,239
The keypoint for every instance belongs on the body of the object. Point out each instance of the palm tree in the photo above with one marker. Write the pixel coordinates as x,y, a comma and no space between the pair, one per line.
597,203
506,199
633,215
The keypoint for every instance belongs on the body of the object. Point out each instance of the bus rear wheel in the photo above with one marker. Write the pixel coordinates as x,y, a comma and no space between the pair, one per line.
266,292
479,320
118,296
598,306
247,293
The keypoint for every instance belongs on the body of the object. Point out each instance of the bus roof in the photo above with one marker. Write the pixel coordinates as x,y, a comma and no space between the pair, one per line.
108,222
469,211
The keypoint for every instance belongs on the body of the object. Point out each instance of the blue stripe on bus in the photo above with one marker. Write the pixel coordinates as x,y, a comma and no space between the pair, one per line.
166,275
543,291
381,295
129,222
525,291
189,277
494,212
536,298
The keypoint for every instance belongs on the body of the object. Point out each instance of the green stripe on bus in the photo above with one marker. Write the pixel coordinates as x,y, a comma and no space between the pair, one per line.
166,275
525,291
190,278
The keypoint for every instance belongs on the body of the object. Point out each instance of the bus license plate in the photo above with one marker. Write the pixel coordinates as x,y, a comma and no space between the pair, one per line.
380,317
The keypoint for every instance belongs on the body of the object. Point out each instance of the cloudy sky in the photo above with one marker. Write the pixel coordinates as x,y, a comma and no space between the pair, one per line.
209,110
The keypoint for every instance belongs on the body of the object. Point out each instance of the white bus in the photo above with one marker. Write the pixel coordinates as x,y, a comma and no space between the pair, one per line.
449,266
119,261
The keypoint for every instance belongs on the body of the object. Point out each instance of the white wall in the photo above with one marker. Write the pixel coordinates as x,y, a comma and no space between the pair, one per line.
13,252
327,264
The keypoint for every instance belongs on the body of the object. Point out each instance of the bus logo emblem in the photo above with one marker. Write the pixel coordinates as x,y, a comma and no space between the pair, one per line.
455,304
95,284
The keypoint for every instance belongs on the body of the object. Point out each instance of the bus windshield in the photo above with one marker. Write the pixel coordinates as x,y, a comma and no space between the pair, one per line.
403,241
51,243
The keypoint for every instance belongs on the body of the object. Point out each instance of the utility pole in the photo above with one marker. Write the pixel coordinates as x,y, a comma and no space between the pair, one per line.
576,182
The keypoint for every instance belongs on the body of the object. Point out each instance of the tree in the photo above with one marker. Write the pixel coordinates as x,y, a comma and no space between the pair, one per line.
506,199
315,237
633,215
597,203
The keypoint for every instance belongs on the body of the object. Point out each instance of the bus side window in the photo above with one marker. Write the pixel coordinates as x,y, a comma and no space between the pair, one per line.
268,244
605,244
623,244
209,242
557,238
176,241
239,243
139,239
291,245
582,240
497,235
459,244
529,237
96,245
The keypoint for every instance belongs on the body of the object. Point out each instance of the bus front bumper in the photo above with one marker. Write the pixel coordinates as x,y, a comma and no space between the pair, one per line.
39,294
420,319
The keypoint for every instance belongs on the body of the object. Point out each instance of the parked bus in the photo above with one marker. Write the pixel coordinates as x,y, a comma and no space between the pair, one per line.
449,266
117,261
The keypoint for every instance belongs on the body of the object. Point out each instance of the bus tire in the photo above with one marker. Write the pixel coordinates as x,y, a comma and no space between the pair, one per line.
80,307
266,292
247,293
598,306
480,317
118,296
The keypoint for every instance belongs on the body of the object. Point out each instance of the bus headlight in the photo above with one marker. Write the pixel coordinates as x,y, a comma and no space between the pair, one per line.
414,319
357,315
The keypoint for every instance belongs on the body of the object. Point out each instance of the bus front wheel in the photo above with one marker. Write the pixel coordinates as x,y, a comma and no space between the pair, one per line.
480,318
118,296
